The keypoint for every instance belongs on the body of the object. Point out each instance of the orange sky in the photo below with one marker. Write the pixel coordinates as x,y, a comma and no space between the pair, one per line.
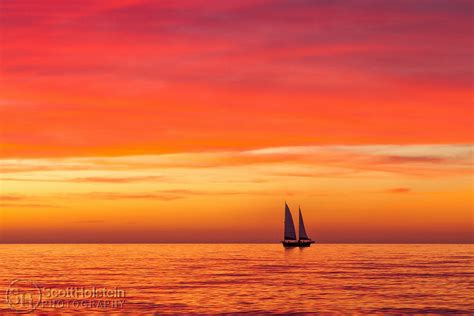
193,121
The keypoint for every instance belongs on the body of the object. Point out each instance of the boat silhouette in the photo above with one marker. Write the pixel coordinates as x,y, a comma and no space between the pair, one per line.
289,238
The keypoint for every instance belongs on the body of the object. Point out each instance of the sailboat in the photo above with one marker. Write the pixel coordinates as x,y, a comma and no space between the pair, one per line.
289,239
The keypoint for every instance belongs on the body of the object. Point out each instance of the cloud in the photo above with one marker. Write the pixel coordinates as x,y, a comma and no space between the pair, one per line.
399,190
27,205
117,179
421,159
13,197
131,196
346,173
23,201
110,180
171,194
338,161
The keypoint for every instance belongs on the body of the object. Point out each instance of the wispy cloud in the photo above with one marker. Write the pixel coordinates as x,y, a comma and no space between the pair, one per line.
12,197
172,194
130,196
149,195
398,190
421,160
111,180
27,205
117,179
409,159
24,201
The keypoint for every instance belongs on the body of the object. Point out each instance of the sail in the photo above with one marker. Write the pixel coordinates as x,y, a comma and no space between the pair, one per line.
302,230
290,233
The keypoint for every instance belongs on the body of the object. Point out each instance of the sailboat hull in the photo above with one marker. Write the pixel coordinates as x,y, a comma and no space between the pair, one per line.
290,244
300,243
305,243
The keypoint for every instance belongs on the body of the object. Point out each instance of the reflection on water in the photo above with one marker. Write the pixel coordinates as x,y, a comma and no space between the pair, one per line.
252,278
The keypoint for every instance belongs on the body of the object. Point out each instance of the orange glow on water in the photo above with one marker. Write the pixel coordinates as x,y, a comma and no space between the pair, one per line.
208,279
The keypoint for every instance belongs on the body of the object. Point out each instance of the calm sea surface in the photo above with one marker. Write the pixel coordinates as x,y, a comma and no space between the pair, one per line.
204,278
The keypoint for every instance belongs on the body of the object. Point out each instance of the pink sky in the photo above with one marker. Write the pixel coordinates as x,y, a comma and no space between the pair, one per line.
146,101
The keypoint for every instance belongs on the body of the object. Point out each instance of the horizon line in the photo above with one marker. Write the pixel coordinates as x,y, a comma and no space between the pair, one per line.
232,243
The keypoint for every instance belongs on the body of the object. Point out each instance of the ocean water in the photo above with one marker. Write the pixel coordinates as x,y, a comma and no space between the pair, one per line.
230,278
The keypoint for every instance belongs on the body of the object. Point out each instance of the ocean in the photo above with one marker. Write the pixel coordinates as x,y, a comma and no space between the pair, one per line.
236,278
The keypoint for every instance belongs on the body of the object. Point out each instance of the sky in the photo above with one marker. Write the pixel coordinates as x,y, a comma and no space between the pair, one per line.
194,121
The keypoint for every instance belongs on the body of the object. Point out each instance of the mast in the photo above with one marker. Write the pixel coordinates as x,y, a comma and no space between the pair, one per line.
302,230
290,233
